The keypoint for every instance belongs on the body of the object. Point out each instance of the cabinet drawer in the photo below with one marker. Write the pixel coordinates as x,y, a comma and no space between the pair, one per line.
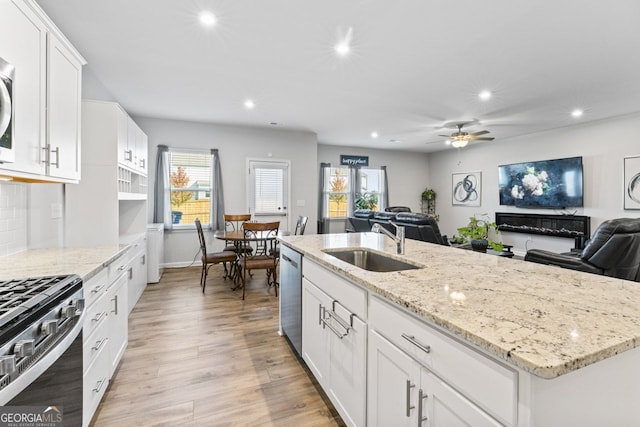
350,295
94,344
119,266
94,287
95,383
95,315
490,384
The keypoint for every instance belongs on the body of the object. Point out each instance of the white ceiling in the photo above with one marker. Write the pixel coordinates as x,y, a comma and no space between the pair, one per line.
414,65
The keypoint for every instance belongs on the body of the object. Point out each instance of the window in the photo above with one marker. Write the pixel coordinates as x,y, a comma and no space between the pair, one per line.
339,195
337,192
190,178
268,187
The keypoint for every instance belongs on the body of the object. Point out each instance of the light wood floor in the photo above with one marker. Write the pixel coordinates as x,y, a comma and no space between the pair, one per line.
210,360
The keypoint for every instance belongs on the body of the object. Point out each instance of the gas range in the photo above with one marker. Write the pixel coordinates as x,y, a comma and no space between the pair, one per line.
36,316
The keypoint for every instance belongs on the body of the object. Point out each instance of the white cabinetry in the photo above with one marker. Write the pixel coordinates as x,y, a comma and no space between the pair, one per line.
104,331
47,91
334,343
109,206
419,373
137,272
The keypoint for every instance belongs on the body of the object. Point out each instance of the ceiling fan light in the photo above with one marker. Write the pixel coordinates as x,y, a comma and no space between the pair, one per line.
459,143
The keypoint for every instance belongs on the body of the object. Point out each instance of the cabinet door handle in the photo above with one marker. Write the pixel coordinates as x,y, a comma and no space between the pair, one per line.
130,273
421,397
57,163
334,330
412,340
144,259
128,155
47,154
115,304
409,405
99,385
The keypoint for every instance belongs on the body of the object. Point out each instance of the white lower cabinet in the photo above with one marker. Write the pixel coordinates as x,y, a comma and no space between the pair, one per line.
401,392
334,347
105,331
137,272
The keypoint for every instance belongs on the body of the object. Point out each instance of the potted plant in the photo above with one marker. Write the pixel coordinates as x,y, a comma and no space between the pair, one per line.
428,194
477,233
367,201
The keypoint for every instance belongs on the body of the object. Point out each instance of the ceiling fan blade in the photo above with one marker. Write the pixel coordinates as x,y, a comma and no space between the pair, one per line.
481,132
483,139
446,136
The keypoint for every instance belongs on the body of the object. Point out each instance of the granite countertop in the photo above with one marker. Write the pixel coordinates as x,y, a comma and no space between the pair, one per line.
545,320
85,262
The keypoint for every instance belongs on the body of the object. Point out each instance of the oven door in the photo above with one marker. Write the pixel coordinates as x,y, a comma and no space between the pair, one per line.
7,149
55,380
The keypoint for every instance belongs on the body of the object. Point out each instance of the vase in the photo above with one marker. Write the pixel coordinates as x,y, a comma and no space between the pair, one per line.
479,245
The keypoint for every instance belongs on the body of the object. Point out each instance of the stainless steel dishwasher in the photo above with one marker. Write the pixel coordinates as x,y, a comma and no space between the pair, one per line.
291,296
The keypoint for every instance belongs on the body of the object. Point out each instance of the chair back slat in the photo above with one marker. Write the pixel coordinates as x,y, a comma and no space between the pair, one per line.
301,224
235,221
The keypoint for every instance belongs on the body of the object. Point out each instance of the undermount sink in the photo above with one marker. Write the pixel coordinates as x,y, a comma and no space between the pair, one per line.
370,261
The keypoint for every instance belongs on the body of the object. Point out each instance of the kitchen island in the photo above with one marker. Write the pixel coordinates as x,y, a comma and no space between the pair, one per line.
563,343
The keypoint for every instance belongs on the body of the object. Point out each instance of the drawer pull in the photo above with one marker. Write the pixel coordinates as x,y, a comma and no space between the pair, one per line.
99,317
99,344
121,267
97,289
412,340
421,397
409,405
99,385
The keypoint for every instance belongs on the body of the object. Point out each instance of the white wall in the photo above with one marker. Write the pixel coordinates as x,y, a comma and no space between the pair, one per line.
602,145
235,144
407,173
13,218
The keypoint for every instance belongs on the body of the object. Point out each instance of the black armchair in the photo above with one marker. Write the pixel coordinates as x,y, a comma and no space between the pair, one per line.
419,226
360,220
614,250
397,209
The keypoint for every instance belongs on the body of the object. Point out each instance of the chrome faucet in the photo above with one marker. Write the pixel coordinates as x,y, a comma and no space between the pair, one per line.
398,238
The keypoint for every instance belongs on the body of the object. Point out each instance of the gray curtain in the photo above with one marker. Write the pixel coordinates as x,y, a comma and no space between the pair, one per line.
384,200
216,220
162,189
323,221
355,188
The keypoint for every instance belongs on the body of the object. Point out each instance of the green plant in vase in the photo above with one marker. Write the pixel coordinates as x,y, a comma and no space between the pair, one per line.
477,233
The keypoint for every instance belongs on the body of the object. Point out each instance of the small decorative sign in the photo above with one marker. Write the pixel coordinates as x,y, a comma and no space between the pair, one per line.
347,160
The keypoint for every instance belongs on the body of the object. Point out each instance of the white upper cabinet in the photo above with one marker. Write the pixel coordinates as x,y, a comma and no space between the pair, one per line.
47,93
64,73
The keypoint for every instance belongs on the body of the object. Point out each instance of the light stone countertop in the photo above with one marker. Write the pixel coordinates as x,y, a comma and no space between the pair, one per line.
545,320
85,262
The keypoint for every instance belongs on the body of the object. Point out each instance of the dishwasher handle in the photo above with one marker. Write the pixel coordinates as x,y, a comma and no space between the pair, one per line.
290,261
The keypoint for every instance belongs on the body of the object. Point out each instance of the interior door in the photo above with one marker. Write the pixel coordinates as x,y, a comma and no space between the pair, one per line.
268,191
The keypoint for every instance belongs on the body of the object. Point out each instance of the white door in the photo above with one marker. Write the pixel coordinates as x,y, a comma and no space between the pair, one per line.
394,381
268,191
348,367
315,338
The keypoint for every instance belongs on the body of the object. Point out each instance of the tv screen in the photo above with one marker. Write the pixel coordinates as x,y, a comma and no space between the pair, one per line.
552,184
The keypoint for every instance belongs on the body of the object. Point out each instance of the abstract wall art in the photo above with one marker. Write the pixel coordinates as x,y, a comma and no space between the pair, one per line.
466,188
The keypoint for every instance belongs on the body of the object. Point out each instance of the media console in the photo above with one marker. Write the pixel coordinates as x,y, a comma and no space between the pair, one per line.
573,226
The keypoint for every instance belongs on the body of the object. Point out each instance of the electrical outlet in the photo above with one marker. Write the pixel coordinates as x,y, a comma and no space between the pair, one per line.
56,210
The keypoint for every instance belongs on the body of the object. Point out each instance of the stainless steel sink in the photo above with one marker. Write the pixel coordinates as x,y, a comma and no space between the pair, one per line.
370,261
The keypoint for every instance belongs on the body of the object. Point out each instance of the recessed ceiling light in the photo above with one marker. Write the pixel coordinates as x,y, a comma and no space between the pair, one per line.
249,104
343,47
207,19
577,113
374,134
485,95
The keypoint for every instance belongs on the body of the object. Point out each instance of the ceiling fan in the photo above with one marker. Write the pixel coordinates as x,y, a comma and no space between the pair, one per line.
460,139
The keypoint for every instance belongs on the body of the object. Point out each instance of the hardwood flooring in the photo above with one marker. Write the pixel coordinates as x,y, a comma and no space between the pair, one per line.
210,360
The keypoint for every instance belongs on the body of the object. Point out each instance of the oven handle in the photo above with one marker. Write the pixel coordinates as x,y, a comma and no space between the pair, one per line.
32,374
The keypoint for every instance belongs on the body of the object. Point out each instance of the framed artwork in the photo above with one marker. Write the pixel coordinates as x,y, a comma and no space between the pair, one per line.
466,188
632,182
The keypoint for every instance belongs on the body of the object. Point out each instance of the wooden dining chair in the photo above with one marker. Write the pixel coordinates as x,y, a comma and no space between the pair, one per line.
211,258
258,233
233,222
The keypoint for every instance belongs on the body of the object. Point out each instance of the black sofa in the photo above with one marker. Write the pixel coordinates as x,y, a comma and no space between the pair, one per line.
418,226
614,250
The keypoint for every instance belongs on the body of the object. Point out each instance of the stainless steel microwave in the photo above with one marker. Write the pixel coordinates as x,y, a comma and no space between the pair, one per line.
7,143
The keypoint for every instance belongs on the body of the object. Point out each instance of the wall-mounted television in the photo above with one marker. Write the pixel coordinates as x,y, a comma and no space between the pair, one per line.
552,184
